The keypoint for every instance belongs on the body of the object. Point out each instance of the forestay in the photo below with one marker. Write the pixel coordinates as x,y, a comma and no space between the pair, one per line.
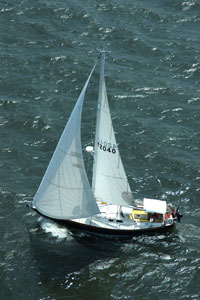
64,192
109,182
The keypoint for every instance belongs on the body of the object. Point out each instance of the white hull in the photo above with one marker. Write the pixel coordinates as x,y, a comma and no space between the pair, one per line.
112,223
116,232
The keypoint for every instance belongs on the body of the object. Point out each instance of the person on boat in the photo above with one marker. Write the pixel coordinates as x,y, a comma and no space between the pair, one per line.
177,214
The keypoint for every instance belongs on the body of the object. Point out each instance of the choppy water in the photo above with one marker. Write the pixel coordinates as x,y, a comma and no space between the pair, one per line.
153,76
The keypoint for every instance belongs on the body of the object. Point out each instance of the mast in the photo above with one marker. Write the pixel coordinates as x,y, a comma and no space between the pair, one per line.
99,103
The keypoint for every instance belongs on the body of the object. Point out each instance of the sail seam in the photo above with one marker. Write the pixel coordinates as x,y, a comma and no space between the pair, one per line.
64,187
112,176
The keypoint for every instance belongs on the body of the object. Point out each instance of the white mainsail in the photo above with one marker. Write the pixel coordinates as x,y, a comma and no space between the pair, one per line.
64,192
109,182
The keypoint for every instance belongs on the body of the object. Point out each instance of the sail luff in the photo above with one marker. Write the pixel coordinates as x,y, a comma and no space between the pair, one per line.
64,192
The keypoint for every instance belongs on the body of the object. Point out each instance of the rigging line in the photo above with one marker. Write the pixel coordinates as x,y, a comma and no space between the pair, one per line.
92,126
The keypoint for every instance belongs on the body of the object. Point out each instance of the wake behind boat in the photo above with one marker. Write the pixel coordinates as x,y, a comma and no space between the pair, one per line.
108,207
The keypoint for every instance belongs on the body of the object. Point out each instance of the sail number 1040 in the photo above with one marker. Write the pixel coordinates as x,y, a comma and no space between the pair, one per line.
111,148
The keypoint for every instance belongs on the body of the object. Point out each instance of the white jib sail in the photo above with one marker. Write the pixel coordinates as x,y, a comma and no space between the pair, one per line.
64,192
109,181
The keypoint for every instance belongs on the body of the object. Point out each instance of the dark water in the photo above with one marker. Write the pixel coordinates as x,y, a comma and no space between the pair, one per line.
47,49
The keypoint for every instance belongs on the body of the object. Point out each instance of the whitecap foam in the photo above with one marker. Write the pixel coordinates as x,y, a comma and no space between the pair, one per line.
54,229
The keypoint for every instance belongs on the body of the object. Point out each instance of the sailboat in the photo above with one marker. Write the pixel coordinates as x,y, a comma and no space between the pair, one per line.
106,207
